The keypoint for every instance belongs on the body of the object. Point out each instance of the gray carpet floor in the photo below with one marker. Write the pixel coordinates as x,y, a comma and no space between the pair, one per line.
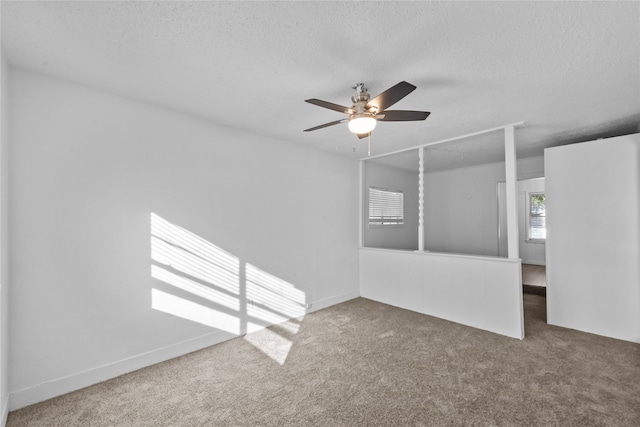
362,363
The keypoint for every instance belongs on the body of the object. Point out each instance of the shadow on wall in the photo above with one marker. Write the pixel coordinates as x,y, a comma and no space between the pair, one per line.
212,287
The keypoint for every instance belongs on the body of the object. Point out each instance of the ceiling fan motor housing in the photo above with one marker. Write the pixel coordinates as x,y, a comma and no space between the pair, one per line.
360,100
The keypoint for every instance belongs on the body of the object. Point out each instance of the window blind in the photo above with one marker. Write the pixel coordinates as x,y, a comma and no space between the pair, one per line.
386,207
537,217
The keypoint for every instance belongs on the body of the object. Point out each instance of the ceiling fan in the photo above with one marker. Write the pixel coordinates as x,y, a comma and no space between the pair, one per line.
366,112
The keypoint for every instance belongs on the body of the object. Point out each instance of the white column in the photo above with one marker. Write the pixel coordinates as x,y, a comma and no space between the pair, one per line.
512,192
421,200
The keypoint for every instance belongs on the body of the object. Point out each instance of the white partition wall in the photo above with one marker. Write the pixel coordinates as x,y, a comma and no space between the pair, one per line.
482,292
593,236
479,291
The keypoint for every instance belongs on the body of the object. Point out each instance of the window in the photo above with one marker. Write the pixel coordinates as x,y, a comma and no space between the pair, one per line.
537,217
386,207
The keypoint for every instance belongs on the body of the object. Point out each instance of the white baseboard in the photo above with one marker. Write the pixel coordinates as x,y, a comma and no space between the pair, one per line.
50,389
526,261
328,302
5,412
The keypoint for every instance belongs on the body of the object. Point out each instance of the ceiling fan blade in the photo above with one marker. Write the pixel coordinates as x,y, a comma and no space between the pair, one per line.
363,135
402,116
391,96
329,105
326,125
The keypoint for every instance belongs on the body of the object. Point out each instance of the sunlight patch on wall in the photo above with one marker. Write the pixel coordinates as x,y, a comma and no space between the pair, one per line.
193,243
272,300
184,251
197,270
195,312
203,283
195,288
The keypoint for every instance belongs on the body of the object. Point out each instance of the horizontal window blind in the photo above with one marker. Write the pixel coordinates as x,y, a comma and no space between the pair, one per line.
538,227
537,217
386,207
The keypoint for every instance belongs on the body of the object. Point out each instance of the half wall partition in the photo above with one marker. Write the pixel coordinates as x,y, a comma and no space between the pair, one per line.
432,260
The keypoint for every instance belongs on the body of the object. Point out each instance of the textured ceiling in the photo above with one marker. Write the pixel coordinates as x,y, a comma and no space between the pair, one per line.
571,70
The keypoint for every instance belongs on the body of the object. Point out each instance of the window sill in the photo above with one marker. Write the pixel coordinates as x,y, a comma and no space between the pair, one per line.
536,241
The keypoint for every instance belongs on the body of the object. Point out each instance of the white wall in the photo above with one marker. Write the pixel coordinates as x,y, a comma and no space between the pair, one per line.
392,237
461,206
593,236
4,252
235,215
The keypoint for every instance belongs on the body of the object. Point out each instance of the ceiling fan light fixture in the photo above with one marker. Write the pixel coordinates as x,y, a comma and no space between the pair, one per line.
366,112
362,124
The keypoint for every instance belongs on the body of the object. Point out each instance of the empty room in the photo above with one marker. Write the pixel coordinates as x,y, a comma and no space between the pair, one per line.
319,213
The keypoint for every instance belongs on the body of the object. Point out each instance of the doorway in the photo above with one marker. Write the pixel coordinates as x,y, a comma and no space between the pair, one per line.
534,279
